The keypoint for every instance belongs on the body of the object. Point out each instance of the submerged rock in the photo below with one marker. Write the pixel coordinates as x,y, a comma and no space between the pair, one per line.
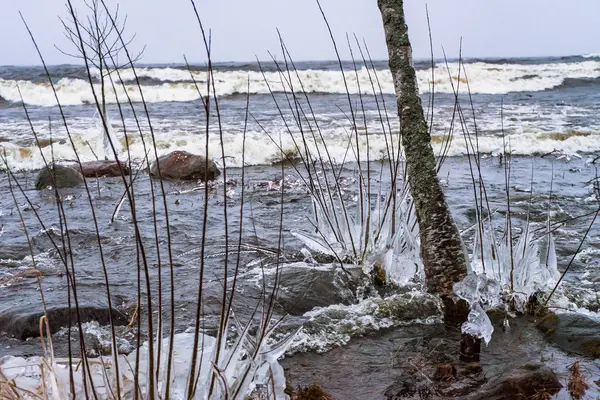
573,333
522,383
183,165
312,392
14,251
302,287
25,323
104,168
307,288
64,176
408,387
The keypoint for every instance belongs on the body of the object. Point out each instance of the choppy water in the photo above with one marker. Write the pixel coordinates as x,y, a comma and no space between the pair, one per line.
571,197
547,104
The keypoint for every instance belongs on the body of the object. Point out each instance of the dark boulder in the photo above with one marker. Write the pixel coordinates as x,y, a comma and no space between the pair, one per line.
307,288
573,333
526,382
104,168
14,251
302,287
186,166
25,323
64,176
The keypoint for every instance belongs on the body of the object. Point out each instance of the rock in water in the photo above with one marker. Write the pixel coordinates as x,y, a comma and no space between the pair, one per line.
65,177
574,333
523,383
104,168
304,288
183,165
307,288
25,323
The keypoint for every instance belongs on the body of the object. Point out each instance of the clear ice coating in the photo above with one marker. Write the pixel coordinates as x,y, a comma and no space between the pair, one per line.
479,289
242,368
519,268
104,149
478,324
389,239
482,293
501,269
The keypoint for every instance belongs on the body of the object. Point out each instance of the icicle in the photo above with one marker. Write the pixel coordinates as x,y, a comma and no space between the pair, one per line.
478,324
479,289
529,273
104,150
315,243
551,261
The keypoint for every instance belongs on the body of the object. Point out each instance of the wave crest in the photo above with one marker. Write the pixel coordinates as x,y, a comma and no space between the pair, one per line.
260,150
175,84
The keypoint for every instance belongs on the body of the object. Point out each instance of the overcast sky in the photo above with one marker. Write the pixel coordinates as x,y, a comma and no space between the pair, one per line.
243,29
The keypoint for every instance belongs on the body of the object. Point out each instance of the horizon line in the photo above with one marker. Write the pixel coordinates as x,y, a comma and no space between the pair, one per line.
590,55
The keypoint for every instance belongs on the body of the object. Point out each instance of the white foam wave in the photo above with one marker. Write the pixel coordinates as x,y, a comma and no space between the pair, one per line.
482,77
261,150
337,324
77,91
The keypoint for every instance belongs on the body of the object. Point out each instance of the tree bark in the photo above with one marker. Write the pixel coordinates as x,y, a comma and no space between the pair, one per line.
442,251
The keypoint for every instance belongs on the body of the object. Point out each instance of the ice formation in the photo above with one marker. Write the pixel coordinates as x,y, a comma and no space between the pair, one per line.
479,289
104,150
390,240
241,369
519,268
482,293
500,270
478,324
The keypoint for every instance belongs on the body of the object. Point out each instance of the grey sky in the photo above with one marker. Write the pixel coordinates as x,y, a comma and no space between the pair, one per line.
245,28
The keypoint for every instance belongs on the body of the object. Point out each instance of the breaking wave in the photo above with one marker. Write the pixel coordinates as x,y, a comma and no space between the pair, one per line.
174,84
261,150
591,55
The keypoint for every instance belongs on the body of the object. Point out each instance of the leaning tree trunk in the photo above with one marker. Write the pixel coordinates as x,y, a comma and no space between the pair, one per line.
442,250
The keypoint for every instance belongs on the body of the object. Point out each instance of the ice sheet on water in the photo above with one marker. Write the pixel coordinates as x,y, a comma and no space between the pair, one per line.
478,324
